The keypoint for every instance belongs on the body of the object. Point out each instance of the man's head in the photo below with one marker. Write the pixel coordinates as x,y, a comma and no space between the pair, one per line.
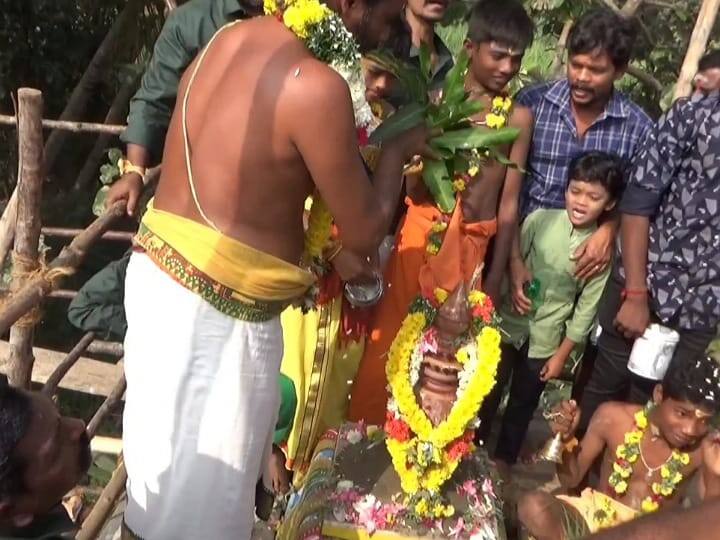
379,83
375,24
499,31
599,49
42,455
687,400
708,76
595,183
429,11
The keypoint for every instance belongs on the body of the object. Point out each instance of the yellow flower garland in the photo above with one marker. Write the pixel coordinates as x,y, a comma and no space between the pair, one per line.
627,454
319,230
433,475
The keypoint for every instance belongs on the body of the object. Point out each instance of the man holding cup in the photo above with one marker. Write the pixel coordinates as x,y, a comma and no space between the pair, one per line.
665,286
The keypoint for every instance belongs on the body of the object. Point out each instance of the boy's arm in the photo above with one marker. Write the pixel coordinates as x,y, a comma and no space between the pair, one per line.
577,461
507,216
583,317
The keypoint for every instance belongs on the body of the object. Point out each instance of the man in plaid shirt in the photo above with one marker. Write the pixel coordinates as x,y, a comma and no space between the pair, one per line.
577,114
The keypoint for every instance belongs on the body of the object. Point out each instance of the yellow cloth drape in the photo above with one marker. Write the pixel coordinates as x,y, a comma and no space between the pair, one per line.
322,369
251,273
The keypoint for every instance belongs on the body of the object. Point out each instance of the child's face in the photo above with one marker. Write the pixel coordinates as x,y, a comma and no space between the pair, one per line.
585,202
493,65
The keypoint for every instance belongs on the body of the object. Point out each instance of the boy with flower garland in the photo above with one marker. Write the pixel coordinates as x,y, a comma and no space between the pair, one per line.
499,31
648,455
538,344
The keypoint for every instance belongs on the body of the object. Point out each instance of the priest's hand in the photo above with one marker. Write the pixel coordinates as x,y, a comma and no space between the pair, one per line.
351,266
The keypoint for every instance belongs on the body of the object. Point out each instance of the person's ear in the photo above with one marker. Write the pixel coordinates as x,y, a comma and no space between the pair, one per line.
609,206
657,394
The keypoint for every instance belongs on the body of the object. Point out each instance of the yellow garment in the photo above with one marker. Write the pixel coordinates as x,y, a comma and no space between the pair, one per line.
592,505
249,272
322,368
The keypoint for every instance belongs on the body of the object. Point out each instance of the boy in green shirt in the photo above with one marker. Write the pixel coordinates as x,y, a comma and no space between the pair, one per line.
536,344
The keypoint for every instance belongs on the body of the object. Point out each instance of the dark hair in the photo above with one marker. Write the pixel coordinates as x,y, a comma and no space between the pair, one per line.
504,21
599,168
710,60
694,379
15,414
602,29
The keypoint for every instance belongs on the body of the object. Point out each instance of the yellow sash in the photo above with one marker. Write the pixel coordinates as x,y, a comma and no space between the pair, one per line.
252,274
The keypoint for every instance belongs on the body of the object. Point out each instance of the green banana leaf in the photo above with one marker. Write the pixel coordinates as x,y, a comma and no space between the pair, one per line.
447,116
500,158
405,118
454,86
475,137
437,179
425,63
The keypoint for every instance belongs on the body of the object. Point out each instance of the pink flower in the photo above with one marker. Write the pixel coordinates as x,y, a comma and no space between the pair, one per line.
488,488
367,510
459,529
469,487
429,342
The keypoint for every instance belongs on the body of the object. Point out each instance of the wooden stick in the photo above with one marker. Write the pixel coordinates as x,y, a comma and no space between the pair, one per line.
698,42
631,7
645,78
106,347
77,127
560,48
87,84
71,256
95,521
28,225
112,401
69,361
7,226
106,445
68,232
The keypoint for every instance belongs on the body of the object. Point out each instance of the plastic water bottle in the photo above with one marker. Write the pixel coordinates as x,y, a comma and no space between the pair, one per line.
532,291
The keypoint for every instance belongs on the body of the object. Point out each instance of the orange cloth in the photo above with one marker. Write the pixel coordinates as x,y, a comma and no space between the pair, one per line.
463,249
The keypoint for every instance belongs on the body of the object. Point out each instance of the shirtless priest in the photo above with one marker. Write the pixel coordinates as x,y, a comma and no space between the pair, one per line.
259,125
649,454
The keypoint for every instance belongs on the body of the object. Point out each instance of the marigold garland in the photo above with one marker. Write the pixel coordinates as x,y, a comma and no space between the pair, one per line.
424,456
627,454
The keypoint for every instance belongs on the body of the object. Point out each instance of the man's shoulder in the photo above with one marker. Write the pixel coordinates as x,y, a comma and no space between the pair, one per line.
615,416
533,94
521,116
635,113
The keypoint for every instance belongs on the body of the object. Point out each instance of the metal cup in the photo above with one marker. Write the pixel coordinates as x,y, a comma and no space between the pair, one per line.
366,293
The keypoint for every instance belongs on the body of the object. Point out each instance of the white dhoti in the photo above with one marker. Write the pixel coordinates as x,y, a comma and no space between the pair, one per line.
201,402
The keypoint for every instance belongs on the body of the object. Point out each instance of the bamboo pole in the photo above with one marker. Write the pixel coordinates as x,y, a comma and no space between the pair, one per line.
66,125
698,43
68,362
27,234
109,405
7,226
68,232
95,521
93,74
71,256
631,7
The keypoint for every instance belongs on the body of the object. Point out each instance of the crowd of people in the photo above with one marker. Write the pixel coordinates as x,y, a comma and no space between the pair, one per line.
606,223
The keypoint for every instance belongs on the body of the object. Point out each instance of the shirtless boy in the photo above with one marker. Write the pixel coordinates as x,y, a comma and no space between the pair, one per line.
646,464
217,261
499,32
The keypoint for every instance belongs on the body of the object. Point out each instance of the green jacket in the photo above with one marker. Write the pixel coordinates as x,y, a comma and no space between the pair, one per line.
98,306
186,31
